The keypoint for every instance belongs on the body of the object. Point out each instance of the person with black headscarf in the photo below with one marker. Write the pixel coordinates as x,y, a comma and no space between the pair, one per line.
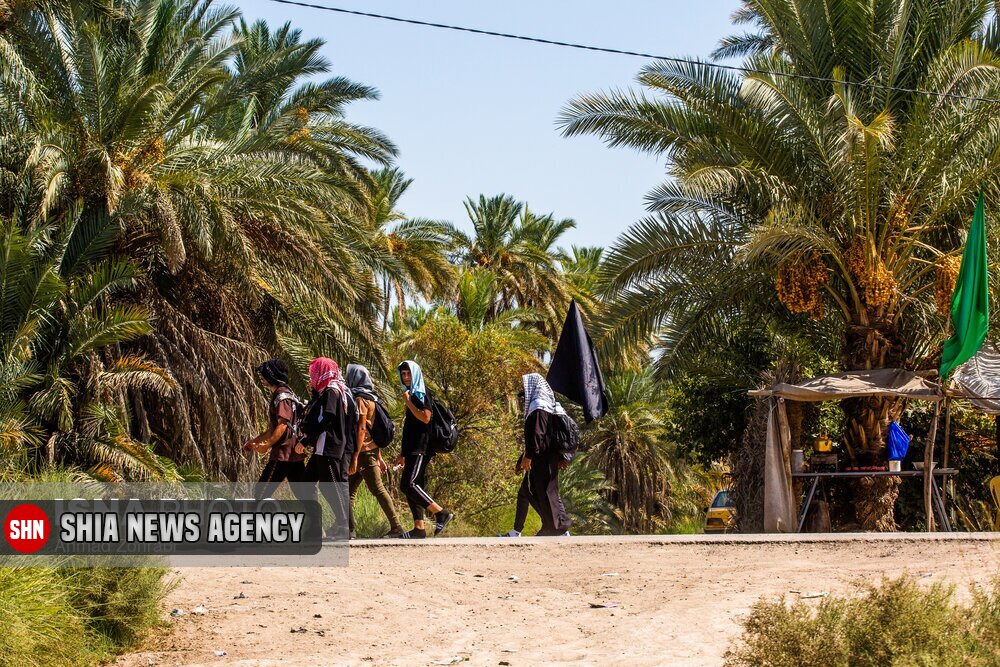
367,465
278,441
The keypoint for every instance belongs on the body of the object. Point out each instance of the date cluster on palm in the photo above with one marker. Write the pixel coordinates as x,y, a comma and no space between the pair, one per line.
800,284
875,280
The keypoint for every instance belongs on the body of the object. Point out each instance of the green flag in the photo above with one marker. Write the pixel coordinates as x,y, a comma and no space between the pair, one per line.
970,310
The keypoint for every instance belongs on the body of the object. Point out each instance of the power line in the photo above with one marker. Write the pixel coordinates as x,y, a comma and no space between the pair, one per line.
639,54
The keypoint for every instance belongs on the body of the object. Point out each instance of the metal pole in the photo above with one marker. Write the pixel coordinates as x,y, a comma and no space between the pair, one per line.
947,450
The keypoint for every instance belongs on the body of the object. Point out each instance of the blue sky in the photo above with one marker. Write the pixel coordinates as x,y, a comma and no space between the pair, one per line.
475,114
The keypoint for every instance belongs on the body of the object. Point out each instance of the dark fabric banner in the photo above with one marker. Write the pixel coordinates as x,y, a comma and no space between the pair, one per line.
575,372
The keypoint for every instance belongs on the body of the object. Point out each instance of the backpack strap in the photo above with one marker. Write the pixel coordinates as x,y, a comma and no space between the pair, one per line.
287,396
283,395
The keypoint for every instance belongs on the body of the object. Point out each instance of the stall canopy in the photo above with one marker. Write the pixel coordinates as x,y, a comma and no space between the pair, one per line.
856,384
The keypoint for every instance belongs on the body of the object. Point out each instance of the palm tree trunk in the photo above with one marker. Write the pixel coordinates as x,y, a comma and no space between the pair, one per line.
400,301
866,423
385,304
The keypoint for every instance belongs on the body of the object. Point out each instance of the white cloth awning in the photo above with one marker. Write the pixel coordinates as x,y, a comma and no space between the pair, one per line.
978,380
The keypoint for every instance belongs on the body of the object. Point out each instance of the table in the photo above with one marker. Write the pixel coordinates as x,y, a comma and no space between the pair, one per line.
936,500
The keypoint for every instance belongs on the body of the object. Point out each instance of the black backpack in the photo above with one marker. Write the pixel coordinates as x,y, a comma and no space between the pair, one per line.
382,429
444,428
564,438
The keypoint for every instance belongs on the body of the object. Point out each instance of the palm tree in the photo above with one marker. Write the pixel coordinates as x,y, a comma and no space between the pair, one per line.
801,198
240,189
629,446
518,247
582,268
584,489
65,377
412,253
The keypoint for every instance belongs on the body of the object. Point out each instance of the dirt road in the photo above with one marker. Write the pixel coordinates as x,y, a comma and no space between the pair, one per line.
426,604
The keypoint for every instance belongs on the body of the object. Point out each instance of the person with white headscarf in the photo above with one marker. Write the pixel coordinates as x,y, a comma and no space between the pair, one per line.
541,465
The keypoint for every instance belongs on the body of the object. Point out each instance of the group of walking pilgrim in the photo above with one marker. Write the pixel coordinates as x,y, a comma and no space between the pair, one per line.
332,439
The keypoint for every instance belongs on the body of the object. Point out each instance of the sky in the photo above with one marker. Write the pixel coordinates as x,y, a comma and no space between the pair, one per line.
474,114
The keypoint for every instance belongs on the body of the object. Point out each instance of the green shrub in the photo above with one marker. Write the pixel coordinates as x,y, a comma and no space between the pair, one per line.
896,622
38,623
81,616
121,604
369,520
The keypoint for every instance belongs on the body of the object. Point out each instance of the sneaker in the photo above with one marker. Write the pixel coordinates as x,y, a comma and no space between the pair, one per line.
393,534
513,533
442,519
415,534
566,534
354,535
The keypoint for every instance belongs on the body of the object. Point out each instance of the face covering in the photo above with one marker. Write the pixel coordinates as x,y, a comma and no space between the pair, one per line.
416,388
325,373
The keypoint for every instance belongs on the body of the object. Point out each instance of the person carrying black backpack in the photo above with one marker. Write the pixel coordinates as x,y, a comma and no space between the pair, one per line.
547,432
417,450
330,429
368,466
278,441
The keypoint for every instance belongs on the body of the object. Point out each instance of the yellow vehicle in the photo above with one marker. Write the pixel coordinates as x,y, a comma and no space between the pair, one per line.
721,514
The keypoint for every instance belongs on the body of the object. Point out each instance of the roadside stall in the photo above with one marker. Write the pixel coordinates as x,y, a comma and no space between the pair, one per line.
780,503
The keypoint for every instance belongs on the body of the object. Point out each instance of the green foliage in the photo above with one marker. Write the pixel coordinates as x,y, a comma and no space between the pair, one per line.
518,247
584,490
895,623
40,625
629,445
812,206
235,190
706,420
369,520
75,617
121,604
62,383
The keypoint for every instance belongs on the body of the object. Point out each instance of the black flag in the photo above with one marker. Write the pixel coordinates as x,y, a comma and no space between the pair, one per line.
575,372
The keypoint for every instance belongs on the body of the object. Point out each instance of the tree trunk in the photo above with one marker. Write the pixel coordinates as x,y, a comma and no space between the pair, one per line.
385,305
866,423
400,302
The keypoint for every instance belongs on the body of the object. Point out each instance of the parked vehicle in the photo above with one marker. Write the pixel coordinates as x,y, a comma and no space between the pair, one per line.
721,514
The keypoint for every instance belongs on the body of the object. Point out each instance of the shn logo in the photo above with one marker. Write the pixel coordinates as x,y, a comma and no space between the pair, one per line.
26,528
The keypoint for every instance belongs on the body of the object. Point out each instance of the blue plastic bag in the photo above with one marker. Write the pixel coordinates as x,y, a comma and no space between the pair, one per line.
898,442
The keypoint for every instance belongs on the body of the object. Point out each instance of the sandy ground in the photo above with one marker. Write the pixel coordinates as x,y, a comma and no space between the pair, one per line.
681,602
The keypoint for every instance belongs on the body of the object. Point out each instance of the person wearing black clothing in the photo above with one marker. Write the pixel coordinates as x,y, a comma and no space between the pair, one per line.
278,441
417,452
329,428
541,483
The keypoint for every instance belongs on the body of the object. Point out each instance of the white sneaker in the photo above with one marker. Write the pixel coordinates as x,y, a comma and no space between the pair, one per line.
513,533
566,534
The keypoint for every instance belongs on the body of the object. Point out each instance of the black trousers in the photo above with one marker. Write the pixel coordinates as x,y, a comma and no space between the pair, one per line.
276,472
332,474
411,483
523,504
543,494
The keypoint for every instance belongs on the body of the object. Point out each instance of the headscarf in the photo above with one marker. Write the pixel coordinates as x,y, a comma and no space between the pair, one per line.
417,388
274,371
538,395
323,373
360,382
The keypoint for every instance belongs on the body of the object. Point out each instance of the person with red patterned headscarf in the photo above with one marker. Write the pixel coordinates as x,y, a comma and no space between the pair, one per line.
330,431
